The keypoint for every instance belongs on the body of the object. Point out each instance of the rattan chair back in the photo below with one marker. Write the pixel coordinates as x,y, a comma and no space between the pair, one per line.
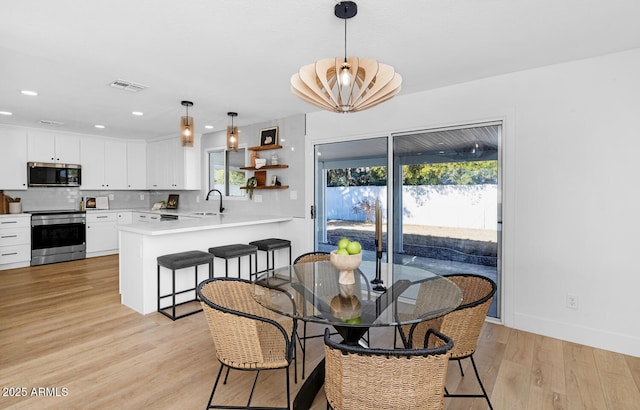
312,257
361,378
246,335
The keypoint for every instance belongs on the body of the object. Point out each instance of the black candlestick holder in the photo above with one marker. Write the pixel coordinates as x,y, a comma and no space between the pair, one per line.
377,281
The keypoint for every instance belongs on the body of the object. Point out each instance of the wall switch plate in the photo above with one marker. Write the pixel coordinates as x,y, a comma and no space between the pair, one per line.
111,197
572,301
293,195
142,197
257,198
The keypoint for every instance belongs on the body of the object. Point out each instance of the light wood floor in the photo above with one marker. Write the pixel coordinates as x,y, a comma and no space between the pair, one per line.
62,327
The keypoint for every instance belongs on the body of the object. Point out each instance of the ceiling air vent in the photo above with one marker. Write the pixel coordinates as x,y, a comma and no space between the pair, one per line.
128,85
51,123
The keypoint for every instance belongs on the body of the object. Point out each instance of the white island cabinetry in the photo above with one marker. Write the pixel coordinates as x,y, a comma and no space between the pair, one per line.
141,244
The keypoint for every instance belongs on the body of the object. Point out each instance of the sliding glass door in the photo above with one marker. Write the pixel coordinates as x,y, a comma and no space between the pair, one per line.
444,188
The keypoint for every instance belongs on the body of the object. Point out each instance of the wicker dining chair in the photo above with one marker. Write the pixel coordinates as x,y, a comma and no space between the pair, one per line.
246,335
362,378
463,325
316,256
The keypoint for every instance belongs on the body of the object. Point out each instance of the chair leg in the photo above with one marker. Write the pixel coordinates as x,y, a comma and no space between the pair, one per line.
215,385
253,388
484,392
226,376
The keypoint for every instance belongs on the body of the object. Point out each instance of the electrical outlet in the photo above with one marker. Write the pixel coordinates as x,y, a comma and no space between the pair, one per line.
572,301
257,198
142,197
111,197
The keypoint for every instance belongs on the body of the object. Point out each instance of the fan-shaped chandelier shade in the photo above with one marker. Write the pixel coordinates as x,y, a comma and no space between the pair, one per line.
346,84
372,83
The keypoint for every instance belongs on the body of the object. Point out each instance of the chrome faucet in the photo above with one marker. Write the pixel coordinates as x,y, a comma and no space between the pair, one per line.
220,193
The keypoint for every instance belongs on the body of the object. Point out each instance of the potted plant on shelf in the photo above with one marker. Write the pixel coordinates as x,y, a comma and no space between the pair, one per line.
251,184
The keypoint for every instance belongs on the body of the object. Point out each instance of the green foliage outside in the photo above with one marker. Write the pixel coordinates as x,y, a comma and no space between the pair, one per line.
449,173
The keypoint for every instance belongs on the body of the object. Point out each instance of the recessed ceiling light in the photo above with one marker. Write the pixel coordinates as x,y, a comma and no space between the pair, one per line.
138,113
209,127
5,113
99,126
29,93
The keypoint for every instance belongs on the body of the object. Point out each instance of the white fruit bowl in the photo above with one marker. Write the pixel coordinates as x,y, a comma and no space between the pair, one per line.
346,264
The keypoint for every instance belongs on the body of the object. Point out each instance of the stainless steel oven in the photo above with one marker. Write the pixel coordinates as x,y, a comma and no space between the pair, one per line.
57,236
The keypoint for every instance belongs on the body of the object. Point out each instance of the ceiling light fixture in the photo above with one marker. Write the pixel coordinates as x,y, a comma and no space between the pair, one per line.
100,126
346,85
29,93
232,133
186,126
137,113
5,113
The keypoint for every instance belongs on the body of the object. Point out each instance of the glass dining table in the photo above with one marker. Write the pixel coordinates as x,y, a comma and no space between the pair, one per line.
312,292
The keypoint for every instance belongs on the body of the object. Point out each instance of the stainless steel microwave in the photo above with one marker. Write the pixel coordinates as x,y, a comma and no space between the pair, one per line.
52,174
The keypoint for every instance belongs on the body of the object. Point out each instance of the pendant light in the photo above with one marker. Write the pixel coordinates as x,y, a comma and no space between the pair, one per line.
186,126
346,85
232,133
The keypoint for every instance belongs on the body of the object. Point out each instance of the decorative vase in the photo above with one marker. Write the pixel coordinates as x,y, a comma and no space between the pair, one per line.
346,265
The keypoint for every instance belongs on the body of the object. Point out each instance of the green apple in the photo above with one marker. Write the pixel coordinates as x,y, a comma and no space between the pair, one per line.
342,252
355,321
354,248
343,243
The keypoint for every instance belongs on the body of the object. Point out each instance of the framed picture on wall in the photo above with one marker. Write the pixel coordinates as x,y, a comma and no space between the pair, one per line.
269,136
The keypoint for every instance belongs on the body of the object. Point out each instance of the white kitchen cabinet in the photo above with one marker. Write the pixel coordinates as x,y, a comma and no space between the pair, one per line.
171,166
49,147
104,164
13,159
15,241
125,218
136,165
102,236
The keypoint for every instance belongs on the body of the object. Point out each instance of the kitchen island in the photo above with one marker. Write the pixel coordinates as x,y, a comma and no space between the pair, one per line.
140,245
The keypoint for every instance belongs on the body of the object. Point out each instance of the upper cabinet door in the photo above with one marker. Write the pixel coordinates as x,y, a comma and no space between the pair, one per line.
13,159
115,165
48,147
136,165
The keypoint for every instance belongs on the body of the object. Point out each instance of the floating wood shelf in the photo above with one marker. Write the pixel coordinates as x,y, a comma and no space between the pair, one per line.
265,167
268,187
264,147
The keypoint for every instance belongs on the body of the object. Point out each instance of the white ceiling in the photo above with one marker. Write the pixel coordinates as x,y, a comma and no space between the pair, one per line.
238,55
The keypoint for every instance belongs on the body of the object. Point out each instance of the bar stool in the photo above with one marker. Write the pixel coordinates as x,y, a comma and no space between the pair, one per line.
237,250
177,261
270,246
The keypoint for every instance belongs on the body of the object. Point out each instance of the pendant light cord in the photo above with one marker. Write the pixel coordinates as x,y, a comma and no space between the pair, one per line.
345,40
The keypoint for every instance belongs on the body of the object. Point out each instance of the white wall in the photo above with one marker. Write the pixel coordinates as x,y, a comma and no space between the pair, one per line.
570,216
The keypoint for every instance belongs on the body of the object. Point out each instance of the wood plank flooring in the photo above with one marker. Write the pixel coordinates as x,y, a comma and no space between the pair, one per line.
66,342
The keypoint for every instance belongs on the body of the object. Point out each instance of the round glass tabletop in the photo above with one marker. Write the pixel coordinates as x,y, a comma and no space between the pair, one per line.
312,292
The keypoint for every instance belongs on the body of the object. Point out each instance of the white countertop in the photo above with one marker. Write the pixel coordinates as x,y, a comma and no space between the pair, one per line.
200,224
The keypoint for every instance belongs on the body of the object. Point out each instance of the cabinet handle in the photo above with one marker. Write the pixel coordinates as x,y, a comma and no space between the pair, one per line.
9,236
9,254
9,222
101,217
